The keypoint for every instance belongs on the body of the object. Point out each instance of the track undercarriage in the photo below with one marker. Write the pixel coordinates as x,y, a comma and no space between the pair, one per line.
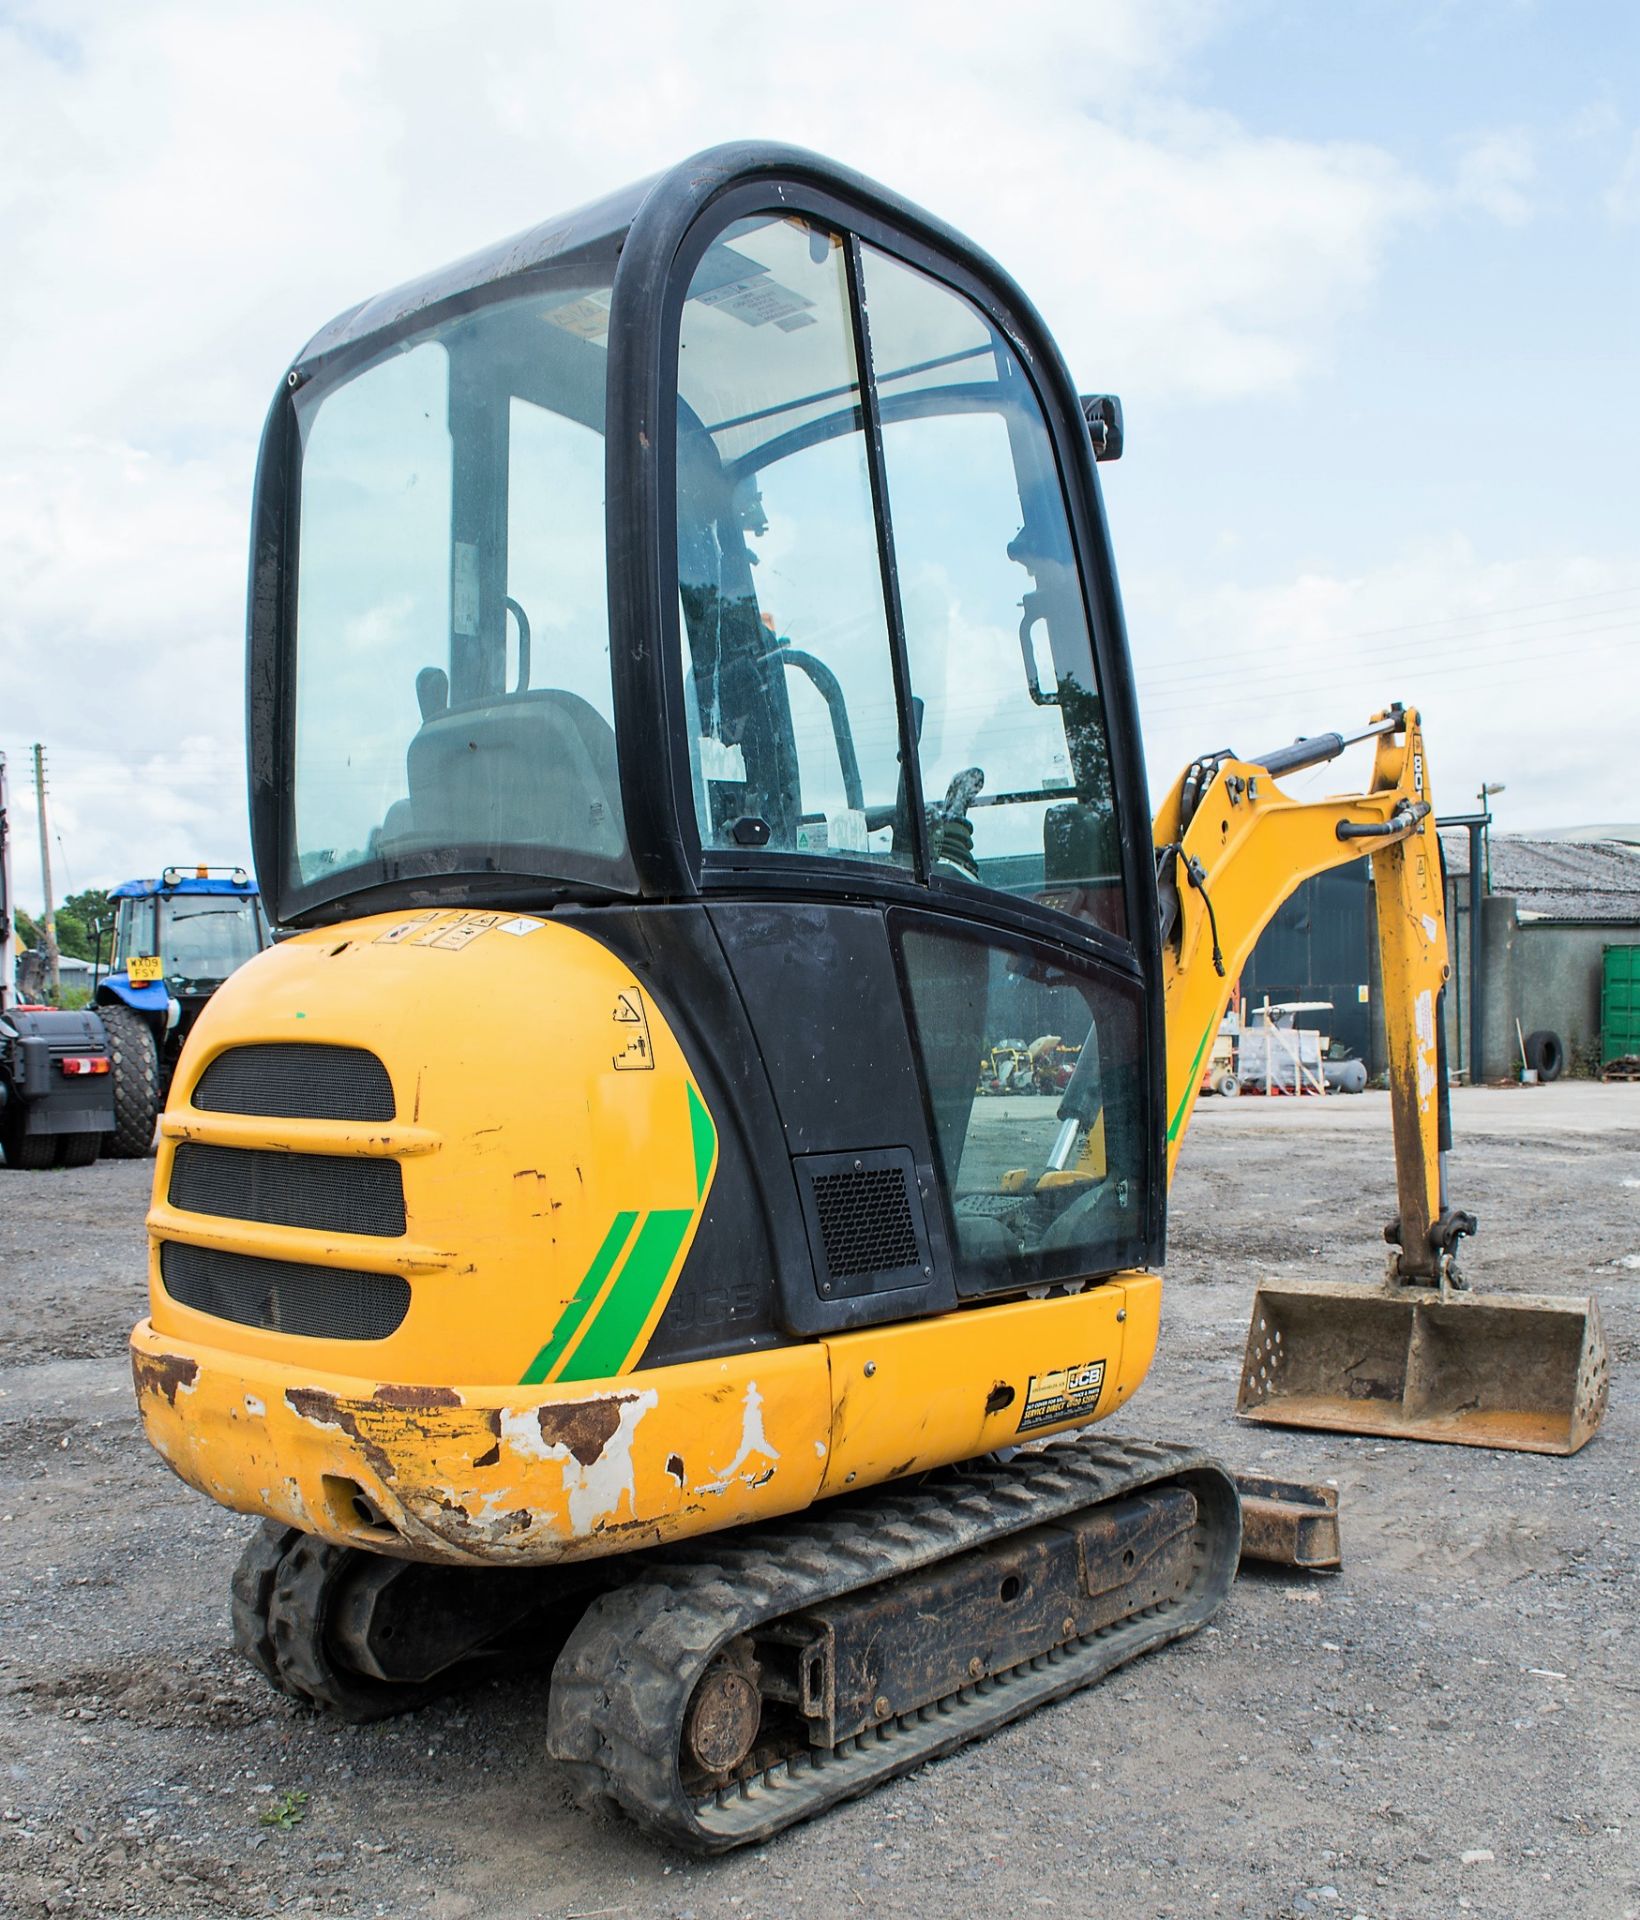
720,1691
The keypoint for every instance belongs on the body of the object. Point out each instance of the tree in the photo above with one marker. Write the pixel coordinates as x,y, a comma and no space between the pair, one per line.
76,917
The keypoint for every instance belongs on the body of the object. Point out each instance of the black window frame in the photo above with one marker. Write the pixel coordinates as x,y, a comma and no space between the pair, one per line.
647,570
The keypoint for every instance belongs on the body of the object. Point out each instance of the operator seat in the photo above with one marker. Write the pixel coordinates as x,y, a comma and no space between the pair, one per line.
536,768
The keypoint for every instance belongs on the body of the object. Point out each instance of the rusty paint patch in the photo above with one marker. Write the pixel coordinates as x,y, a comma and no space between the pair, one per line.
674,1466
1000,1396
325,1410
417,1399
165,1373
584,1426
489,1459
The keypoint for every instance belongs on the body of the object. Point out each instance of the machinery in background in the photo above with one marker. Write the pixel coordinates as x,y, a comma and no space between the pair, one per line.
56,1090
746,731
176,939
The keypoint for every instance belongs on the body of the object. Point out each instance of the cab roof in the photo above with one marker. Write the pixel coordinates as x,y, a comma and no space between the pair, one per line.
176,882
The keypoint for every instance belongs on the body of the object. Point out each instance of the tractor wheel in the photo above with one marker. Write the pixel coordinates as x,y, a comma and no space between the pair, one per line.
134,1066
25,1152
78,1149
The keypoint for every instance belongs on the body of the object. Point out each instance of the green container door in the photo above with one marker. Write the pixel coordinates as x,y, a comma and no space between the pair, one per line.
1620,1004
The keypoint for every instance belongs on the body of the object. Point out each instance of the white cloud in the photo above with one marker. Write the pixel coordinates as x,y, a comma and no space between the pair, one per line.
1495,175
188,191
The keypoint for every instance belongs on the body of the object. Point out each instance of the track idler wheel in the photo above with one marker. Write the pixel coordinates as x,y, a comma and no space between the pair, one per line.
287,1592
364,1636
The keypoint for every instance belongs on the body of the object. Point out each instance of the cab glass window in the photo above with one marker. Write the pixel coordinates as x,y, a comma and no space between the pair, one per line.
206,936
788,678
1033,1071
453,709
1012,730
134,935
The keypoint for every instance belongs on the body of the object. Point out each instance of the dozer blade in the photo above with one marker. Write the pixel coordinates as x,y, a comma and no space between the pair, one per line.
1528,1372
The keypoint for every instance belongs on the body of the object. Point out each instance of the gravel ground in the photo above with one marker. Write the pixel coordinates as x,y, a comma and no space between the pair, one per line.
1452,1725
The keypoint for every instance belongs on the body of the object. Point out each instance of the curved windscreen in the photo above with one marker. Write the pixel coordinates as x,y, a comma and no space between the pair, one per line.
453,707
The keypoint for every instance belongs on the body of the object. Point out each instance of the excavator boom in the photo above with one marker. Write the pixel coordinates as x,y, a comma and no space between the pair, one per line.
1418,1357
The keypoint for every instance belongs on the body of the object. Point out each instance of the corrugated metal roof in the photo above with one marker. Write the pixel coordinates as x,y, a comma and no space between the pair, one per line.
1558,879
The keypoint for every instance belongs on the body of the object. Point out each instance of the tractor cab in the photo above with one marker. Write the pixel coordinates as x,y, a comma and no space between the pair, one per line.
730,555
177,937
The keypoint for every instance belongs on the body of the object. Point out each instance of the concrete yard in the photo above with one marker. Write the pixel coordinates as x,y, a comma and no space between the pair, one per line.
1451,1726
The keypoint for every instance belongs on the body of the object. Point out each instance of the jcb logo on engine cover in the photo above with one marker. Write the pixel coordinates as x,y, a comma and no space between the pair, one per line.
1067,1393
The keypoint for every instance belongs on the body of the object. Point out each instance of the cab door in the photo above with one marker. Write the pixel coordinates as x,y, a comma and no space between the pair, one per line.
921,841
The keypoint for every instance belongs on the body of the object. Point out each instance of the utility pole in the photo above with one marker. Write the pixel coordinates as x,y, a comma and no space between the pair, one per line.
53,968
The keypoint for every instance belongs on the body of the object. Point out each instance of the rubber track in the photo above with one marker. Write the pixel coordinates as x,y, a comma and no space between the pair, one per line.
252,1594
284,1590
624,1680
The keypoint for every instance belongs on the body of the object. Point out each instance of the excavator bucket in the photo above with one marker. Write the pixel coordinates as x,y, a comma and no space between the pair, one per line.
1528,1372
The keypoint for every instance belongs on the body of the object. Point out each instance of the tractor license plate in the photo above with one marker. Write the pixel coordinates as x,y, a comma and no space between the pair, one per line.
144,968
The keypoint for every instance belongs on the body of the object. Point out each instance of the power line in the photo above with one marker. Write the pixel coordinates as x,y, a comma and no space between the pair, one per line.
1178,671
1252,679
1455,619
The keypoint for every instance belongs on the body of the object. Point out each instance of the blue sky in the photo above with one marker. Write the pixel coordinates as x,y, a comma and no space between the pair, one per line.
1366,276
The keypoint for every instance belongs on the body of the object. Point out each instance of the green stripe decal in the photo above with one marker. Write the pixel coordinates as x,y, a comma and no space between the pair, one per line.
1189,1085
570,1319
703,1136
610,1339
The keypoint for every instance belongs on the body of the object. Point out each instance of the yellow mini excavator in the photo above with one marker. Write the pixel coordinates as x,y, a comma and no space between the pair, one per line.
690,725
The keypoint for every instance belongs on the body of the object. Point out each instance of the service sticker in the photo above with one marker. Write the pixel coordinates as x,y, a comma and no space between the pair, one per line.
1067,1393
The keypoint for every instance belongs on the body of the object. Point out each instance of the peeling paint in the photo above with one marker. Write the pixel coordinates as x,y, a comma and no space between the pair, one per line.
595,1488
255,1406
165,1373
325,1410
584,1426
417,1399
754,1444
674,1466
1423,1018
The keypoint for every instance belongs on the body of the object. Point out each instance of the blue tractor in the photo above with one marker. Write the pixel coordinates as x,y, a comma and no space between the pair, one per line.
176,939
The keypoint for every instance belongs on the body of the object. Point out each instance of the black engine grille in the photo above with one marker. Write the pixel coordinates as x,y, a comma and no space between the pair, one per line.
297,1081
281,1296
336,1194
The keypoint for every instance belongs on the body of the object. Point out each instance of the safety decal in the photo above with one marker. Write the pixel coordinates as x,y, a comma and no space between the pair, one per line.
449,931
633,1051
1067,1393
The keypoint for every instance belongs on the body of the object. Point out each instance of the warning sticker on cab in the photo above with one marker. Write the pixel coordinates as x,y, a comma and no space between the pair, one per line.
633,1051
1067,1393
